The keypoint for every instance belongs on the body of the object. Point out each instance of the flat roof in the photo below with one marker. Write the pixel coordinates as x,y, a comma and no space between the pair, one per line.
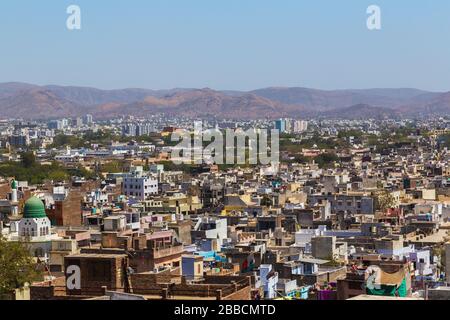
368,297
307,260
97,256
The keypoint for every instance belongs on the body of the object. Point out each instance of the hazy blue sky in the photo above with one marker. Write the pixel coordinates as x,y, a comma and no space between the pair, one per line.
227,44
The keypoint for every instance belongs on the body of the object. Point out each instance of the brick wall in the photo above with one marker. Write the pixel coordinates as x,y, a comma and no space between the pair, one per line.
67,213
93,286
42,293
156,284
4,190
71,210
243,294
330,276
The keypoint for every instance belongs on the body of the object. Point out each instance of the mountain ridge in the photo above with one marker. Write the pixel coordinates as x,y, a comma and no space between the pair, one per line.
29,101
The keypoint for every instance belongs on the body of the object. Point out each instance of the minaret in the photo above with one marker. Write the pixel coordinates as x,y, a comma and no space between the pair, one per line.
14,203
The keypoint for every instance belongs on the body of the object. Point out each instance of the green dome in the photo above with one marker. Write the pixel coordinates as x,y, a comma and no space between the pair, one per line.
14,184
34,208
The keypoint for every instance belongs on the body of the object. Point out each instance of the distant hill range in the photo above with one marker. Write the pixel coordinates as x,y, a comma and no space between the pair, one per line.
27,101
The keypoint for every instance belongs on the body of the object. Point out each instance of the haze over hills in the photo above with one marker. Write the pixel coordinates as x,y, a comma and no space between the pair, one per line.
22,100
360,112
326,100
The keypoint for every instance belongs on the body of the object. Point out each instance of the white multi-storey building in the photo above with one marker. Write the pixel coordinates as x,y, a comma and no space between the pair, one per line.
300,126
139,185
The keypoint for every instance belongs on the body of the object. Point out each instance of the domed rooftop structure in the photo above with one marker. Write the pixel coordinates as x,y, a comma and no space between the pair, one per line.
14,184
34,208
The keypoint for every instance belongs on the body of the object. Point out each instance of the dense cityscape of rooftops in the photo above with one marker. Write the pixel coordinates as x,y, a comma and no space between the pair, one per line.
353,209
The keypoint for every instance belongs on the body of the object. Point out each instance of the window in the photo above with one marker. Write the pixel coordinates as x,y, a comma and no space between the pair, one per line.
39,252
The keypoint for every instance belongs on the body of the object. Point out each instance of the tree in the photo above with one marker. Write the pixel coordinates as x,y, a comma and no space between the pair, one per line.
16,267
112,167
58,176
444,140
439,251
80,171
326,160
28,159
266,201
385,200
71,141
